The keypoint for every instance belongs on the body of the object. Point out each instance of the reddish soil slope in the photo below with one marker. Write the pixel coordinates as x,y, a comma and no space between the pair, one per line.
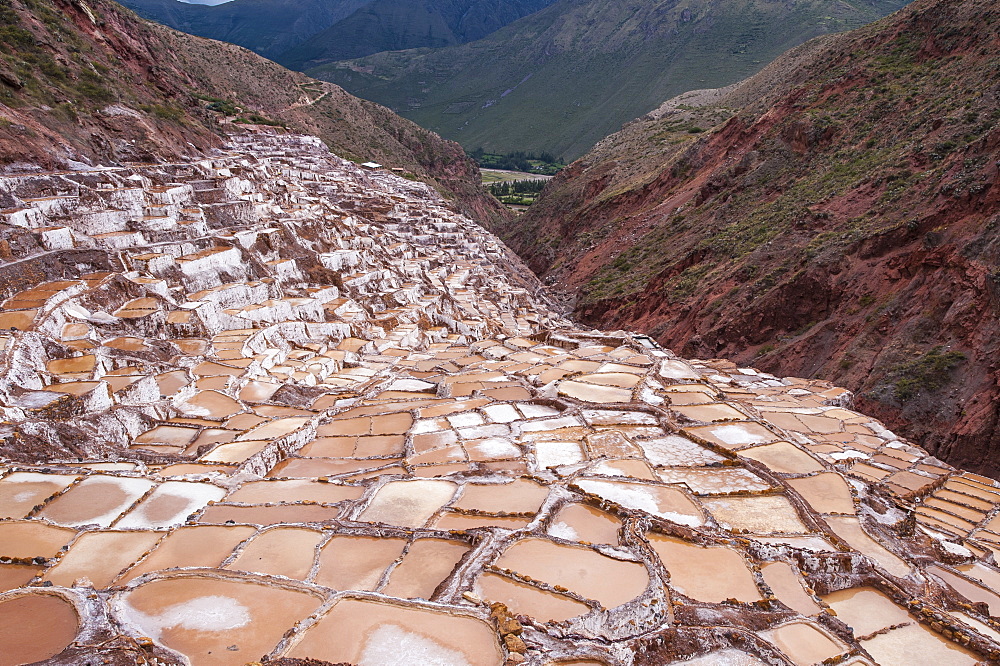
836,216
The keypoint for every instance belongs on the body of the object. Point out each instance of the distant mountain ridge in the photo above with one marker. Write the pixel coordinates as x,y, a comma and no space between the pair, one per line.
561,78
835,216
393,25
266,27
300,33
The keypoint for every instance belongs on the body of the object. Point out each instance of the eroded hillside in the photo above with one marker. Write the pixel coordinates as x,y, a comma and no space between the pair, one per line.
835,216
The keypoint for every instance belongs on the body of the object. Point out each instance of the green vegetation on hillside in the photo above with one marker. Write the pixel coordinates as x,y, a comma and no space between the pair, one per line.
544,164
564,77
517,192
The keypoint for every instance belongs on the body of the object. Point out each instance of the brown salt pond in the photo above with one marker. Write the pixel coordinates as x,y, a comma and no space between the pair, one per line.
27,539
916,645
211,405
212,621
191,546
520,496
408,503
13,576
100,557
715,481
806,643
449,520
787,585
849,529
169,504
765,514
373,633
579,522
733,435
708,413
581,570
661,501
825,493
95,500
426,564
970,589
357,562
593,392
524,599
20,492
687,563
783,457
282,551
866,610
49,620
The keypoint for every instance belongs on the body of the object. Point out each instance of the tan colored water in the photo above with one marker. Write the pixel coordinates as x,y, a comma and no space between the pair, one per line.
426,564
191,546
100,557
356,562
805,643
783,457
520,496
21,491
408,503
825,493
34,627
372,633
26,539
216,622
579,522
282,551
866,610
786,584
766,514
728,576
294,490
528,600
584,571
269,515
916,645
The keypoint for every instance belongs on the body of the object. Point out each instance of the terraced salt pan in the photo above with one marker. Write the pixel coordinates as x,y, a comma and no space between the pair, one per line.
357,562
786,584
687,564
723,658
191,546
667,503
100,556
759,514
783,457
556,453
281,551
214,622
677,451
426,564
715,481
917,645
28,539
408,503
579,522
805,642
581,570
96,500
369,633
170,504
20,492
850,530
35,627
524,599
866,610
825,493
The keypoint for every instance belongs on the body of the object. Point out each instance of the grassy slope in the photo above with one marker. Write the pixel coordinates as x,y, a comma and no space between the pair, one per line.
839,218
93,82
562,78
389,25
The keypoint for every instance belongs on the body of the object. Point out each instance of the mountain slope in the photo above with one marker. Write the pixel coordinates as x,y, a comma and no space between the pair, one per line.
267,27
840,220
92,82
562,78
392,25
